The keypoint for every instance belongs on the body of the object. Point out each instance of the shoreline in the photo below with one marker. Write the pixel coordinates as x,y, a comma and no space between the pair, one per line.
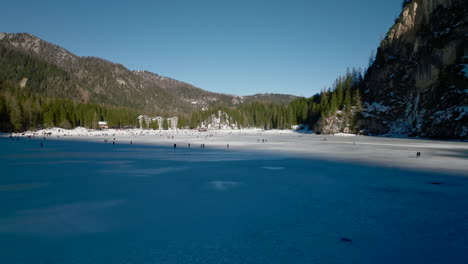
437,156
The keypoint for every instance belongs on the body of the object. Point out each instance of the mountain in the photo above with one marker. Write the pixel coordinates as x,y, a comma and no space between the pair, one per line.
268,98
418,83
53,71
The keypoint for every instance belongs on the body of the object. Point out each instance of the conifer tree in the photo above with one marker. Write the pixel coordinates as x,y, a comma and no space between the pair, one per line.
347,100
333,103
95,121
324,103
4,115
357,100
15,115
65,124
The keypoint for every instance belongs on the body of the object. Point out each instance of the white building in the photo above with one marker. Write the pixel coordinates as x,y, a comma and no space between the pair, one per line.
103,125
172,122
160,121
145,121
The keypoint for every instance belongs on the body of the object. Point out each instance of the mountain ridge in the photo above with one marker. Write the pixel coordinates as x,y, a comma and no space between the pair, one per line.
94,79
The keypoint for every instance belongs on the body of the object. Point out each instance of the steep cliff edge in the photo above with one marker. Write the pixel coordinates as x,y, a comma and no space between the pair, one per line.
418,83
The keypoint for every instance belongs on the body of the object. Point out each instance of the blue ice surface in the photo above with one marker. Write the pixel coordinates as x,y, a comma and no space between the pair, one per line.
82,202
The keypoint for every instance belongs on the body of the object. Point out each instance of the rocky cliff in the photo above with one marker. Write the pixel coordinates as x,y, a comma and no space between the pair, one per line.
418,83
219,120
339,122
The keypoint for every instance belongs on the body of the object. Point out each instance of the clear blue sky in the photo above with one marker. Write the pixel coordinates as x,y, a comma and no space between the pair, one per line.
237,47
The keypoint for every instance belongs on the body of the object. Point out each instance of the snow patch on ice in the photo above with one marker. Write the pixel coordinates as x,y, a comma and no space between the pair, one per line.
344,135
143,172
222,186
115,162
273,168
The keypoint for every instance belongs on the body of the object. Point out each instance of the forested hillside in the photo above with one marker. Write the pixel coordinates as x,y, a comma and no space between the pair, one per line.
22,110
95,80
314,112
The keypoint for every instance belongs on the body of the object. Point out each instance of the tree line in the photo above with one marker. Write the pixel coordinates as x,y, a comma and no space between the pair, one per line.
22,110
344,95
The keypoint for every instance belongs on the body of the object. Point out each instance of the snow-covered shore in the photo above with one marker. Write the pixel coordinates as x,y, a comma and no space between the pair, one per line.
443,156
84,132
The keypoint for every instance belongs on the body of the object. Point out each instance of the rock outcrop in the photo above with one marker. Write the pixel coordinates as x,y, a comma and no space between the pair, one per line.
219,121
339,122
418,83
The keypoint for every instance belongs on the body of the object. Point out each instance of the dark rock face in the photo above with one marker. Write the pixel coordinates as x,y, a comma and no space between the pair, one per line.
418,83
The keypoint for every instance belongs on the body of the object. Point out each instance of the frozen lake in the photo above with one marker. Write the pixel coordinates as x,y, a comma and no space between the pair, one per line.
271,197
